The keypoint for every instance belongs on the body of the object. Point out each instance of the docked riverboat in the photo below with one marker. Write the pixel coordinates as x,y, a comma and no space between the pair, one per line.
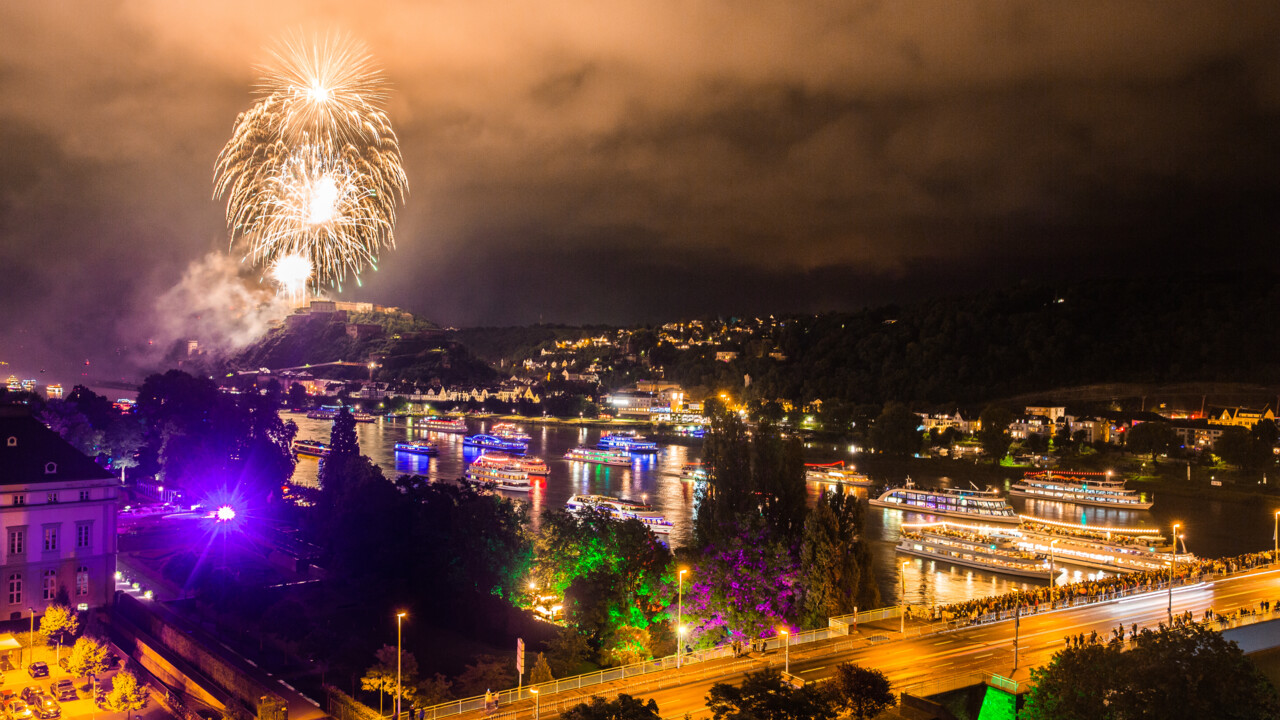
623,510
1121,550
1079,488
493,442
975,505
314,448
835,473
620,458
441,424
994,549
420,447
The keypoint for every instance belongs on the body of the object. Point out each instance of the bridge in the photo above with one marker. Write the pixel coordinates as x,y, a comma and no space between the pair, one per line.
919,658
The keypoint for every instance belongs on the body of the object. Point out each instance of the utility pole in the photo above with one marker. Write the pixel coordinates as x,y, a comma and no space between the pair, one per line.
1017,625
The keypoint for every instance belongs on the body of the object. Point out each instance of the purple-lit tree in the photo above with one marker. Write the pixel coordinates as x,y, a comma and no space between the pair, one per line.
743,589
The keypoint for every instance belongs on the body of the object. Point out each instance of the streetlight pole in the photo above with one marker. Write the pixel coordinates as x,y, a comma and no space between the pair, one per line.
1275,556
31,638
1173,566
680,617
399,655
1053,573
786,639
902,575
537,703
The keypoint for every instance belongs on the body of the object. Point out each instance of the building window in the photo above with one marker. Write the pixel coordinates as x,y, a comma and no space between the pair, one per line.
82,580
17,542
19,499
84,495
83,536
15,588
51,538
50,584
53,497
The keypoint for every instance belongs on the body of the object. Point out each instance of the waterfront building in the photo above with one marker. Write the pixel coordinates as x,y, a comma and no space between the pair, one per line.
58,518
1241,417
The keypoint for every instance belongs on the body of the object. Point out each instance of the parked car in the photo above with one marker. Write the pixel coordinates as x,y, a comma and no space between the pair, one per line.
15,709
63,689
38,668
45,707
30,692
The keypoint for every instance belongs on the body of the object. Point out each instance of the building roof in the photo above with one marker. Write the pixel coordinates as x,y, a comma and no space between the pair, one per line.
31,452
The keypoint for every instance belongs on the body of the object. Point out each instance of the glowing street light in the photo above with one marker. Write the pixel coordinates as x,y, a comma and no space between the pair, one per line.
902,574
537,703
399,654
1052,571
226,513
1275,556
680,616
786,639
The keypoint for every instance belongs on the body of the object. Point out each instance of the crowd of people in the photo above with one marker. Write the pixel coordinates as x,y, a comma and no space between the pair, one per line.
1100,589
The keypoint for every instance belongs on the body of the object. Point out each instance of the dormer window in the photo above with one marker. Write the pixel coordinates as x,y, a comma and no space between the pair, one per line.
12,441
50,468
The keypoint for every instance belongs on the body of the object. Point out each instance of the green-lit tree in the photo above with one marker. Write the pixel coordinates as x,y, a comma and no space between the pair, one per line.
623,707
88,656
994,433
127,694
764,695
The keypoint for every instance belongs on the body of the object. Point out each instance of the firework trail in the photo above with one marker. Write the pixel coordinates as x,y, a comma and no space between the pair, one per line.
312,173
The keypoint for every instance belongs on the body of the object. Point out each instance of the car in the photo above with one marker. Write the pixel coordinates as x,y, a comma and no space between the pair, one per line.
15,709
63,690
30,692
45,707
38,668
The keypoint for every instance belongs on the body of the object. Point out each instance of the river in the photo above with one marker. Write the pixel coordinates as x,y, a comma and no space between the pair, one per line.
1213,528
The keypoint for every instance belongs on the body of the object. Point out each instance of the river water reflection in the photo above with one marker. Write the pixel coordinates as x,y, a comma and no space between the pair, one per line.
1213,528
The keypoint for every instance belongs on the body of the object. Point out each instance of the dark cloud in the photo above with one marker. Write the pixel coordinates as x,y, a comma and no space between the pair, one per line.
638,160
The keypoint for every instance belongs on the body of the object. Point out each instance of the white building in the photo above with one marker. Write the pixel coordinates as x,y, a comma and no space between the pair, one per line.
58,511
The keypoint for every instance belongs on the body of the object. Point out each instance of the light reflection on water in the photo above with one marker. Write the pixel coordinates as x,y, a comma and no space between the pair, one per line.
1213,528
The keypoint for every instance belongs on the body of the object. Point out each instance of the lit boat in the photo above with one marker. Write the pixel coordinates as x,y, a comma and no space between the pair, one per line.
979,505
626,441
364,417
493,442
694,431
835,473
439,424
510,431
532,465
417,448
323,413
622,509
497,478
314,448
987,548
1107,548
602,457
1080,488
693,471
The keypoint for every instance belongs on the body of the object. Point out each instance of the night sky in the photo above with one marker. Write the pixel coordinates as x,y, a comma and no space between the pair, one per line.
641,161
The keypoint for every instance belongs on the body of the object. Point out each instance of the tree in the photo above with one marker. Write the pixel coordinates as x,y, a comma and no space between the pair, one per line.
865,693
896,432
58,622
743,587
765,695
567,651
623,707
127,694
835,564
1152,437
994,433
541,671
88,655
381,676
1182,672
297,396
488,672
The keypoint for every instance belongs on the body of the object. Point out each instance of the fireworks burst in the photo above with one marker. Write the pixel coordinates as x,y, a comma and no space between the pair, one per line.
312,172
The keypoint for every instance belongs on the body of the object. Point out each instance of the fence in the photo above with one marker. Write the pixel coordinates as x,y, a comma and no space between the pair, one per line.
937,686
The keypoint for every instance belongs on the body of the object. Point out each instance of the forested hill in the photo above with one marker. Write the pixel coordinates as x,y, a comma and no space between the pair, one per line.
1001,344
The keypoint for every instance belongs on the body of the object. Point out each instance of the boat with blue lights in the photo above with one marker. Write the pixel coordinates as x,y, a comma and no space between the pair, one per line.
493,442
620,458
975,504
420,447
627,442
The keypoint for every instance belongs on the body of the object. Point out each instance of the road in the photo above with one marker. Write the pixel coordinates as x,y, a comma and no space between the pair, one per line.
913,660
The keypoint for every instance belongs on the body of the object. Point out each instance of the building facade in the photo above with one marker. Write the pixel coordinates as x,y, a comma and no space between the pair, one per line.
58,519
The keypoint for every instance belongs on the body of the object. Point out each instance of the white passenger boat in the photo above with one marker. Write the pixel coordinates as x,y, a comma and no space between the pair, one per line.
835,473
993,549
975,505
620,458
1080,488
314,448
530,464
623,510
440,424
693,472
497,478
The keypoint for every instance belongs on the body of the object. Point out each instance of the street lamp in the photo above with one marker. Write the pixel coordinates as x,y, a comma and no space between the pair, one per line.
1275,556
31,638
537,703
902,575
399,654
786,639
1052,572
680,616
